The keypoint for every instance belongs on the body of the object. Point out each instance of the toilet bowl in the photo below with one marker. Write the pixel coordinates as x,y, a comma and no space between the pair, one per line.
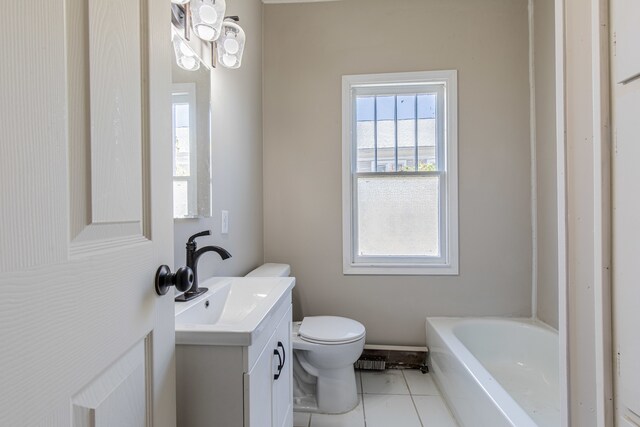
325,349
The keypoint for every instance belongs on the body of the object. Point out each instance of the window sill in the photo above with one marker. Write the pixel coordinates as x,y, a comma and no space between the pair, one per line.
400,270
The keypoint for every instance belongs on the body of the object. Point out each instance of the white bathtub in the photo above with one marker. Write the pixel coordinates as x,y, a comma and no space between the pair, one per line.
496,372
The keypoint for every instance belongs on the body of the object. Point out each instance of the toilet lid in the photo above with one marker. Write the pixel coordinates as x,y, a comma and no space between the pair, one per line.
330,329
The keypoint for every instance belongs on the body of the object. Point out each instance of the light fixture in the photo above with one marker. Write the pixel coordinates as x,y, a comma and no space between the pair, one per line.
230,45
207,17
215,33
185,56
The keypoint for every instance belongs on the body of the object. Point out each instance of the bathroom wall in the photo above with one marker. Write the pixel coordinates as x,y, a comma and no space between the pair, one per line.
307,49
236,129
547,216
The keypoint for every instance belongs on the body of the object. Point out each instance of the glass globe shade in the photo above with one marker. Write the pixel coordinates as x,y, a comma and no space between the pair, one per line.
208,14
229,60
231,45
205,32
189,62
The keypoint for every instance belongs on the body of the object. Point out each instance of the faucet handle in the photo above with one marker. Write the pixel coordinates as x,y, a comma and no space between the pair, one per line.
200,234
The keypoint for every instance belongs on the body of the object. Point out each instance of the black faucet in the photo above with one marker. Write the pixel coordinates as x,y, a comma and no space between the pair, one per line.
193,255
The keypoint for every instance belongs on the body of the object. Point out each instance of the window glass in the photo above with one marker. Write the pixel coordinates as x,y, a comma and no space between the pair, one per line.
365,133
398,216
386,133
427,123
181,154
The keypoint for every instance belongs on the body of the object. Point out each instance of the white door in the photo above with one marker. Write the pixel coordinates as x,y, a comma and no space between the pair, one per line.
626,209
85,214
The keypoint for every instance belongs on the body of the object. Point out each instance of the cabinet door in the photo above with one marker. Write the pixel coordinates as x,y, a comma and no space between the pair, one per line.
282,388
257,391
269,401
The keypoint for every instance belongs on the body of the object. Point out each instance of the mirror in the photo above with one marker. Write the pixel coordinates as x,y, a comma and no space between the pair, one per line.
191,124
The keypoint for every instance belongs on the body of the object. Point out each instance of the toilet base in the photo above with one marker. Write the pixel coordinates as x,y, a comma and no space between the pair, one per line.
333,391
330,397
309,404
336,390
305,404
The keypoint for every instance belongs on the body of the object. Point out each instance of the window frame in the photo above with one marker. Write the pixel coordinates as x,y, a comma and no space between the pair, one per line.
397,84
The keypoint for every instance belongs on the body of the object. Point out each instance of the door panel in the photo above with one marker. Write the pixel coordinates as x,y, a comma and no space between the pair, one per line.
626,18
108,123
626,243
84,215
625,24
117,397
115,90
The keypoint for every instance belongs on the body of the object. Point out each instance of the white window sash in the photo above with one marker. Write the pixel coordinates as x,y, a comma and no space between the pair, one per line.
444,83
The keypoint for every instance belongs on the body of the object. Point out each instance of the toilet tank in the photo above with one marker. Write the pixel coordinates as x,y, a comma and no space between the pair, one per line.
271,270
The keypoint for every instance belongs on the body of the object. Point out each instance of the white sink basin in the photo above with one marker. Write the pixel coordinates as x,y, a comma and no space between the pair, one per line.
231,312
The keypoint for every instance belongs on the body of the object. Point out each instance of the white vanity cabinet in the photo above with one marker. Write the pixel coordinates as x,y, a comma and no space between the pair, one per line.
235,385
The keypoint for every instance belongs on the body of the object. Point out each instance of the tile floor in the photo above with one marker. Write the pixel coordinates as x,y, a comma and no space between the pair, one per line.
398,398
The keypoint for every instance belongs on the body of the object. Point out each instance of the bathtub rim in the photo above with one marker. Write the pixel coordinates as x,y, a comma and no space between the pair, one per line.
508,406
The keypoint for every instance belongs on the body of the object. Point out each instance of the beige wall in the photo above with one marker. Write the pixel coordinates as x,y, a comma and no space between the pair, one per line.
236,97
547,216
308,47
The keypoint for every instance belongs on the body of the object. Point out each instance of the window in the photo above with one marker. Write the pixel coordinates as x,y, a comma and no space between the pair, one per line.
184,150
399,173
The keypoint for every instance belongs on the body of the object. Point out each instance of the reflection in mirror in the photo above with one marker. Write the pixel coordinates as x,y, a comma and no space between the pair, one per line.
191,114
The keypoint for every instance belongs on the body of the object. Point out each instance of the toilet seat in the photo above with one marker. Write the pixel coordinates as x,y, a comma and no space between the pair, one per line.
330,330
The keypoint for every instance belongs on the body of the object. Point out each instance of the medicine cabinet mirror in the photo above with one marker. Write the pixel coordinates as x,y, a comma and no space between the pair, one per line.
191,122
191,128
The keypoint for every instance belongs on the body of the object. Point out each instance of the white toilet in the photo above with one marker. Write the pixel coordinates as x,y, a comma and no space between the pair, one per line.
325,349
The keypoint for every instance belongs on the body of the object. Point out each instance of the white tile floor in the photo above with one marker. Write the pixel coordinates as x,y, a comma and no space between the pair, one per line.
398,398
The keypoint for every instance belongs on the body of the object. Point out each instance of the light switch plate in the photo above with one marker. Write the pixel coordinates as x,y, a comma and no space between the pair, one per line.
224,222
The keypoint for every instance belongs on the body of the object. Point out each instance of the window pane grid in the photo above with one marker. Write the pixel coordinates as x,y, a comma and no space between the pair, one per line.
397,133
